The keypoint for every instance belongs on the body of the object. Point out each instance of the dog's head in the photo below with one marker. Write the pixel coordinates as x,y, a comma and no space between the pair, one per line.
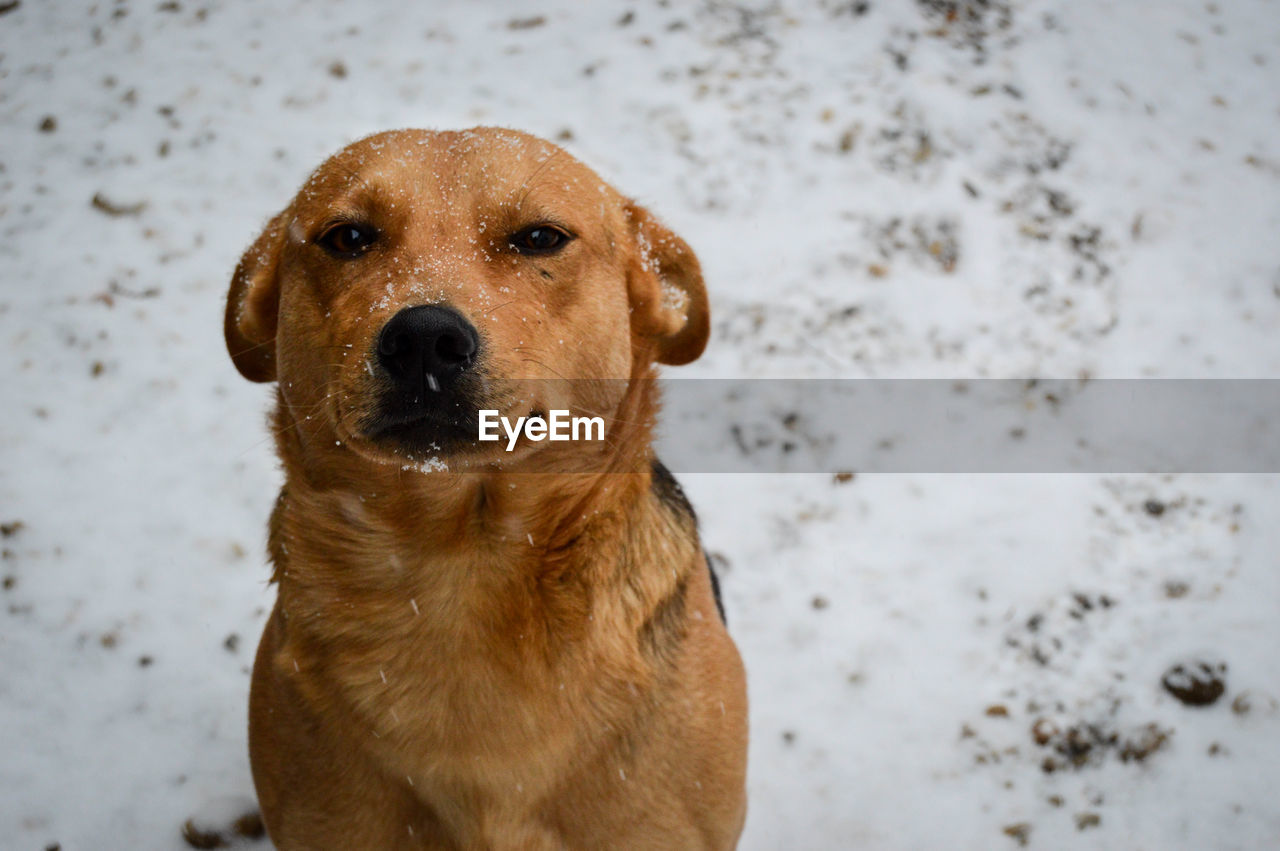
419,277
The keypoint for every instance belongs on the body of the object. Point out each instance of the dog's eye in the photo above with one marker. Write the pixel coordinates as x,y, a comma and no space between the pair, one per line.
347,240
539,239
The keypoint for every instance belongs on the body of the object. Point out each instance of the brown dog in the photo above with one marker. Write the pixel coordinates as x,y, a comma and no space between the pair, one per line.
476,647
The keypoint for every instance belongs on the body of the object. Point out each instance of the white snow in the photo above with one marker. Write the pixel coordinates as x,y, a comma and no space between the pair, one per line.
1099,195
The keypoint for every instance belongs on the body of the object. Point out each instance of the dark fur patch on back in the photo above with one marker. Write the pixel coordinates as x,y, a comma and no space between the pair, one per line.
670,494
715,588
662,633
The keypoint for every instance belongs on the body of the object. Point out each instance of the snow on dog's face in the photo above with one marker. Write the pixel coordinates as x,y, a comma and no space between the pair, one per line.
420,276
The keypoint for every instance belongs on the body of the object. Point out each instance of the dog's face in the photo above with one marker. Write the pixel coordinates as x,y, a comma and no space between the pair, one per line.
419,276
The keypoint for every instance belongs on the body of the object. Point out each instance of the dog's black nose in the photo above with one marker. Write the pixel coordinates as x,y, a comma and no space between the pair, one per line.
427,344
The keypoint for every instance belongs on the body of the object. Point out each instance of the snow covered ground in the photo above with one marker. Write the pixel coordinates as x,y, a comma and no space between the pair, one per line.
876,188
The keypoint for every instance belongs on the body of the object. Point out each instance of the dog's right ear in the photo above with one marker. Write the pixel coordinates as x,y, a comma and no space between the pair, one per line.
253,305
668,297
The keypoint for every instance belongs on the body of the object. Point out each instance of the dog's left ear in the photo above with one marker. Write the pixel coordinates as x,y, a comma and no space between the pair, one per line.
668,297
253,305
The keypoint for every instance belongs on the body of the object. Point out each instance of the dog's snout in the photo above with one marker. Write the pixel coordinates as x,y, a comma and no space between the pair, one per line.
427,343
426,352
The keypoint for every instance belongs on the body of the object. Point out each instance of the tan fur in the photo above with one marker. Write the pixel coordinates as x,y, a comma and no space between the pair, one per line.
522,651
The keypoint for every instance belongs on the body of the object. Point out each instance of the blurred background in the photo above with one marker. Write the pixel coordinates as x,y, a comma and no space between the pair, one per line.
876,189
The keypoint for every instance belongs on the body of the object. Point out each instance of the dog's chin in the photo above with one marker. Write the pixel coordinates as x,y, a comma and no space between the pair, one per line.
428,442
435,438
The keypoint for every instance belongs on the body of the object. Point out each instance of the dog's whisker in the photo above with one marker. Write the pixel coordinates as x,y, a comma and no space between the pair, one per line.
552,370
528,182
493,310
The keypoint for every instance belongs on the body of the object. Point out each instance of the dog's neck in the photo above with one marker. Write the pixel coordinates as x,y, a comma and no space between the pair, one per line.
376,521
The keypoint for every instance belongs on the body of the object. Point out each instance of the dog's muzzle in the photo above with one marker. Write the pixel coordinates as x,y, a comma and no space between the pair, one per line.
427,356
